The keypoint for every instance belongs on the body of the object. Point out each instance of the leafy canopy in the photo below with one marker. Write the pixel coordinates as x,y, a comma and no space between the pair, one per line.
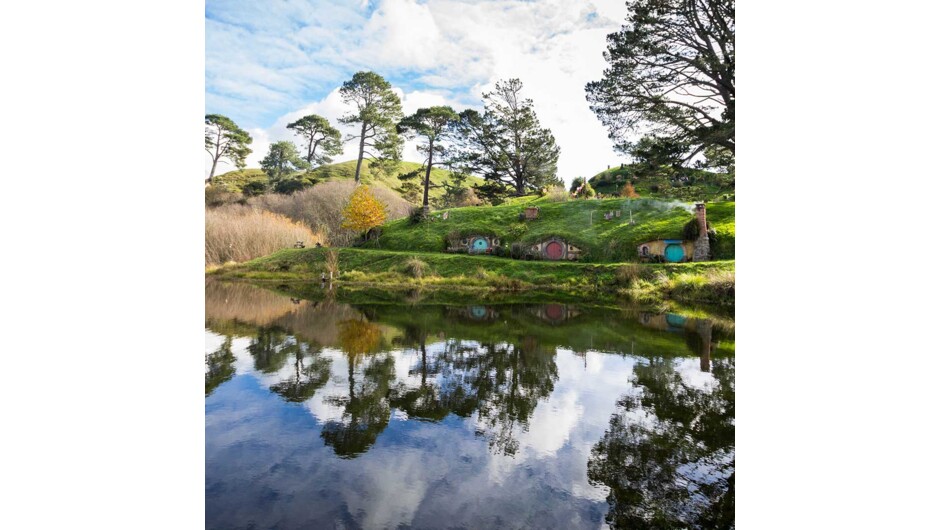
318,134
671,77
506,145
282,161
363,211
377,109
225,140
435,128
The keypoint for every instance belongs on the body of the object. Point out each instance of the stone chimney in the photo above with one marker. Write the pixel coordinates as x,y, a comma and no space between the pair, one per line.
702,250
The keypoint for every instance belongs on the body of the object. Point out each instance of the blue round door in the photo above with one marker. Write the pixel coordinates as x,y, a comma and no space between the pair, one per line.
674,253
675,321
479,245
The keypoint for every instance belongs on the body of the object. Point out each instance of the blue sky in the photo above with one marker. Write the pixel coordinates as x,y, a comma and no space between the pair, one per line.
268,63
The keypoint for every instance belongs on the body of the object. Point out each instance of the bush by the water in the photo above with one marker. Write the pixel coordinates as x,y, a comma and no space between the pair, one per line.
240,233
415,267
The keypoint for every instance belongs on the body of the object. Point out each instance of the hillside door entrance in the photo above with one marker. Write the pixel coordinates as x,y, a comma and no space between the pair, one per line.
554,250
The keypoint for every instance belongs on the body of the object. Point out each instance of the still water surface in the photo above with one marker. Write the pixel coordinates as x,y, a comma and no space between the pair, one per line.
322,414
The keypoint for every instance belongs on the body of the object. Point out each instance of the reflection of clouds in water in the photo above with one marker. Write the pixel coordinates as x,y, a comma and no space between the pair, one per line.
338,385
416,473
690,370
564,428
552,423
214,341
244,362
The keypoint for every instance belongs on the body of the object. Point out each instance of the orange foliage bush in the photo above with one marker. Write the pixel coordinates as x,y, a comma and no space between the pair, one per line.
364,210
629,192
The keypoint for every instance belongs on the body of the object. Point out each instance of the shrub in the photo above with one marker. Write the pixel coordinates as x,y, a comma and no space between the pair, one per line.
416,268
331,263
462,197
240,233
576,183
220,195
416,215
516,231
558,194
587,191
629,192
627,274
321,207
254,188
291,185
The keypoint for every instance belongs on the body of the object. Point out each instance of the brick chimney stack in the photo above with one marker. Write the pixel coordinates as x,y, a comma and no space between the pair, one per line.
700,215
702,250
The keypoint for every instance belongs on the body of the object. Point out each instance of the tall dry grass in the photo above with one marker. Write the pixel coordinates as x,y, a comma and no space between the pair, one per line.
321,207
240,233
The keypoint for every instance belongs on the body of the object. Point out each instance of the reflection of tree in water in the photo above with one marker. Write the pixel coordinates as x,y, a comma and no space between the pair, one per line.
270,349
220,366
311,372
424,402
501,382
366,408
668,455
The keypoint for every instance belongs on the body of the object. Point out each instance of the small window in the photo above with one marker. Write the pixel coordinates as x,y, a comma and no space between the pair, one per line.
645,250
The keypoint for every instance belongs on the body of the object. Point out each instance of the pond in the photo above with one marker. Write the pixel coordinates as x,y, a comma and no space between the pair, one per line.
325,414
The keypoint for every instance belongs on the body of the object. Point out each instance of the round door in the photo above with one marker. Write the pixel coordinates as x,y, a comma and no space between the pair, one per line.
555,311
674,253
554,250
675,321
479,244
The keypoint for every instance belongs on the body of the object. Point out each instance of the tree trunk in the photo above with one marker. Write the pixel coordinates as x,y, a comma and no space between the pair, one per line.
427,180
362,148
212,171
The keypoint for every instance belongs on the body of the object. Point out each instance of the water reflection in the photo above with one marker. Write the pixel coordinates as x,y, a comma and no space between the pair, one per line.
476,416
668,456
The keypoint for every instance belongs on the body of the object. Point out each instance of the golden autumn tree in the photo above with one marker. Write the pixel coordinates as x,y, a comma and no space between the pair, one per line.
363,211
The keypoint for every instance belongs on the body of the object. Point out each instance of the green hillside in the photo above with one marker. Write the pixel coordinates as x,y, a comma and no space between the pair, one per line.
690,185
235,180
581,222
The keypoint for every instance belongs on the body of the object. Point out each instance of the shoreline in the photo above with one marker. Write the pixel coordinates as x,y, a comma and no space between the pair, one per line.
701,283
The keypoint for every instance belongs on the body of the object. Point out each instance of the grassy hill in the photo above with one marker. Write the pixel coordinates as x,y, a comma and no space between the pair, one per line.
235,180
581,222
347,170
691,185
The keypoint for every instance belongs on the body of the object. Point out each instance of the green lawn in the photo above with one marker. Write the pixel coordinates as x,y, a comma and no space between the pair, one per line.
581,222
703,282
697,184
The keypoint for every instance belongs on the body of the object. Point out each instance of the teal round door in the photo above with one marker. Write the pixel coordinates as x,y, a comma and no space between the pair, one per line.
674,253
479,244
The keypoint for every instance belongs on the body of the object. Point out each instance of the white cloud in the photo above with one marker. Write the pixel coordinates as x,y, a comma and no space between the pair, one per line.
443,51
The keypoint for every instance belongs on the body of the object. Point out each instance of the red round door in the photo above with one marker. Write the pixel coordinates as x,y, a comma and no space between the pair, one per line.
554,250
555,311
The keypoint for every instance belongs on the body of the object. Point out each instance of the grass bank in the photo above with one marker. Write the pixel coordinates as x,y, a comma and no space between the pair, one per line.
580,222
698,283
